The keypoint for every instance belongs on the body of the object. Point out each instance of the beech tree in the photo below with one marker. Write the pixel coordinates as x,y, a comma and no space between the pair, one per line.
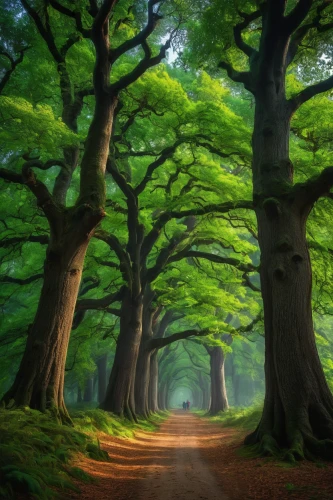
39,381
268,36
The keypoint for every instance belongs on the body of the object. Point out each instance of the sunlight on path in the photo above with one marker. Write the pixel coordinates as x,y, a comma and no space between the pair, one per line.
164,465
187,475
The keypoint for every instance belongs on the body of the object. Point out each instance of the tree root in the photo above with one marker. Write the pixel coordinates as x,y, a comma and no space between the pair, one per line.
302,446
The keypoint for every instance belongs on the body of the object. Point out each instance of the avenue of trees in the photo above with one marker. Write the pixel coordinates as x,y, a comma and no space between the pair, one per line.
166,174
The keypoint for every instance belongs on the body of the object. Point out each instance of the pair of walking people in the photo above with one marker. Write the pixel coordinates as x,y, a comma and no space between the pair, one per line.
186,405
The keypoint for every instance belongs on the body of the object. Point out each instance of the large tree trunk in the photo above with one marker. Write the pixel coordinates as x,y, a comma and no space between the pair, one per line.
162,396
141,388
119,395
40,379
298,408
204,391
102,363
88,390
219,400
153,383
39,382
142,377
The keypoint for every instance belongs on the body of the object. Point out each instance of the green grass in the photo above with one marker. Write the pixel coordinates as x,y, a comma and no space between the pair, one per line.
36,452
245,419
92,421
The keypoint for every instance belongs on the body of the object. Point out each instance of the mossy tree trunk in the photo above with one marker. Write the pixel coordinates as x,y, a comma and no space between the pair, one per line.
219,400
102,363
40,379
153,383
298,408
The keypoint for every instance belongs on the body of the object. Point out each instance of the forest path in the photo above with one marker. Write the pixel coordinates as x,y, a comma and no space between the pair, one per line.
163,465
183,474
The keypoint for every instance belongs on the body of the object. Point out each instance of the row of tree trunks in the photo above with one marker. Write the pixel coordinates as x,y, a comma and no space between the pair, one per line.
120,391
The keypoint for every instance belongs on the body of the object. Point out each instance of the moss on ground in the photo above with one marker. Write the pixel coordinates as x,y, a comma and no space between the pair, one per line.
36,452
245,419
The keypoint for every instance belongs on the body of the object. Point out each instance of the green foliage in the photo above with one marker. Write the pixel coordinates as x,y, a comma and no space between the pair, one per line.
36,452
244,419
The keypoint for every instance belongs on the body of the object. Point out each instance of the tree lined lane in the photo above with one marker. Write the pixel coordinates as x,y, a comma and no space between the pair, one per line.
188,476
163,465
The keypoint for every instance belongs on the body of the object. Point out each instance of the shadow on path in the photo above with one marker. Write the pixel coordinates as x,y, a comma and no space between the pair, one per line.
163,465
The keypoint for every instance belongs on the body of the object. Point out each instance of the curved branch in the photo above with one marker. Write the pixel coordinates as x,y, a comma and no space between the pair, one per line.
297,15
214,258
247,19
13,64
20,281
100,304
158,343
309,92
140,69
39,189
315,188
243,77
140,38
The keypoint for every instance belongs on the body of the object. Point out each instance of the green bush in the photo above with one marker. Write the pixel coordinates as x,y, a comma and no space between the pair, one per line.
245,419
35,451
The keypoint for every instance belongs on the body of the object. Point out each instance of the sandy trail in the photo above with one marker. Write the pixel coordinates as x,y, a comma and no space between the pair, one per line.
163,465
187,475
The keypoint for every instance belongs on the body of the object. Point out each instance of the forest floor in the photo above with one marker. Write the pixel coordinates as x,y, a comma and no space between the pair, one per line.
190,458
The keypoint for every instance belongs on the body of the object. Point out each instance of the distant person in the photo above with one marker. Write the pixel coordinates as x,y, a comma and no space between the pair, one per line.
184,405
187,405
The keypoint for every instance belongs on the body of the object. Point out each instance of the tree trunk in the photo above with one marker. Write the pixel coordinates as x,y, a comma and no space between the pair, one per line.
39,382
119,393
153,383
141,388
162,396
142,377
102,363
79,394
88,390
298,408
219,400
236,384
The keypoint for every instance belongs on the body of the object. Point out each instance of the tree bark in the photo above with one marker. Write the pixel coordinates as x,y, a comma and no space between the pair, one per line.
39,382
88,390
298,408
102,363
141,390
119,395
219,400
153,383
79,394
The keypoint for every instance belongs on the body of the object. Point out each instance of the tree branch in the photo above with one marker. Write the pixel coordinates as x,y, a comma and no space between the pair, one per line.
243,77
140,38
297,15
309,92
20,281
100,304
165,217
213,258
316,187
158,343
140,69
43,239
247,19
44,198
13,64
115,245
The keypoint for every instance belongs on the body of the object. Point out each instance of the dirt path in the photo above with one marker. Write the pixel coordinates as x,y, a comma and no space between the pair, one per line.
184,473
163,465
190,458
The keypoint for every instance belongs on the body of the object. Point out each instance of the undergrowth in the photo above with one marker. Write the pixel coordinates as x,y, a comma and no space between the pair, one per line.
245,419
36,452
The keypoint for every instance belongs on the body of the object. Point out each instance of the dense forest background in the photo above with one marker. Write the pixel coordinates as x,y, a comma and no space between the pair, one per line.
165,178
